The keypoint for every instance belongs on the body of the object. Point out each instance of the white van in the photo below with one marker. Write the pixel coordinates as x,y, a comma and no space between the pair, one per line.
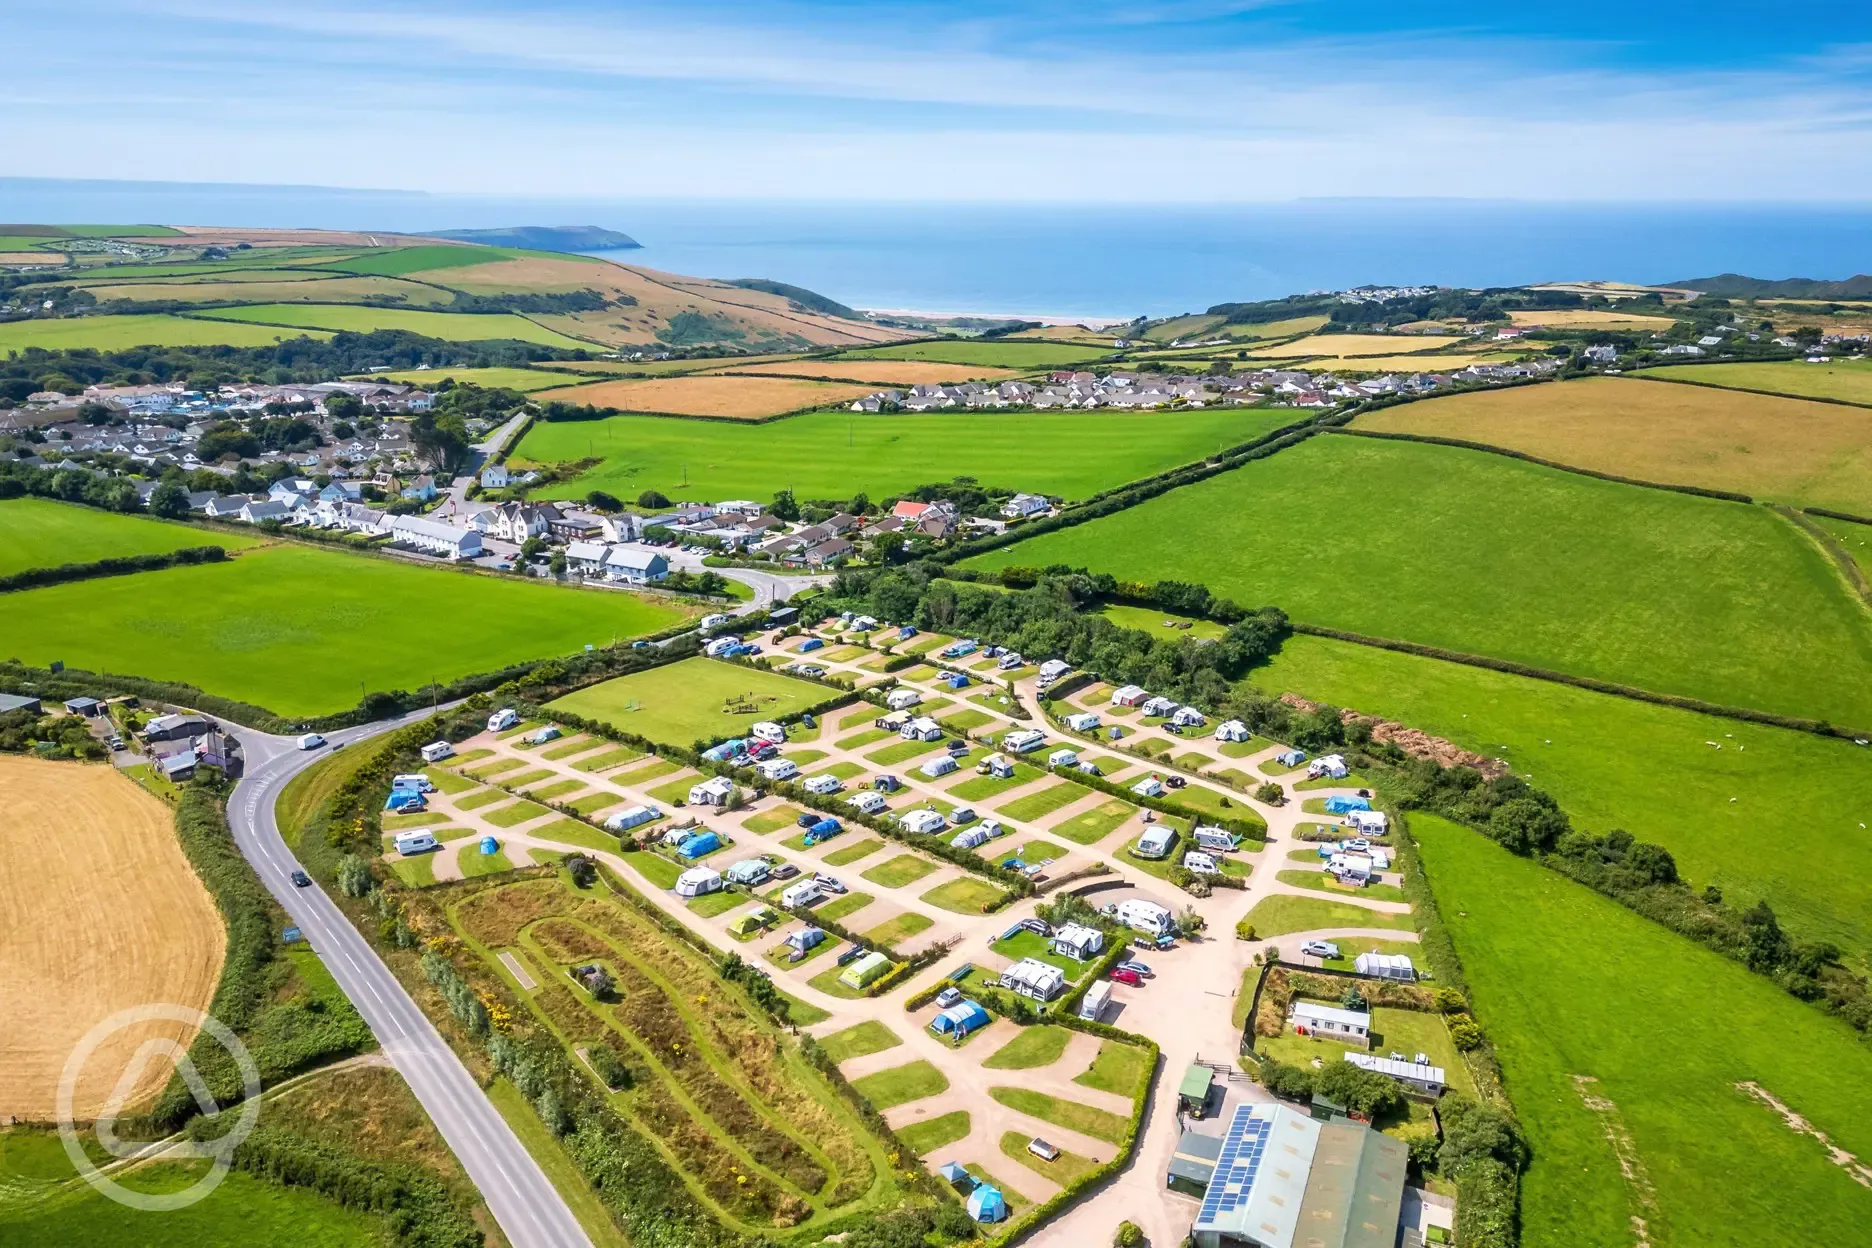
503,719
414,842
776,769
436,751
867,802
767,730
311,741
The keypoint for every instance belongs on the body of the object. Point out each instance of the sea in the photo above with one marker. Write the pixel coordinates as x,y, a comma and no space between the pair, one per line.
1061,261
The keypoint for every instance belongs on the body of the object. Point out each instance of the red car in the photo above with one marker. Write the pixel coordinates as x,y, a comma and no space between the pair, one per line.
1123,975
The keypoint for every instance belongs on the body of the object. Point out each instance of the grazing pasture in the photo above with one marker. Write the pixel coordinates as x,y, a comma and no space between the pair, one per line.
40,533
834,454
285,288
1489,555
878,372
1788,450
116,333
1653,770
1722,1167
427,258
1350,346
1847,380
681,703
305,631
740,398
99,911
999,353
525,380
448,326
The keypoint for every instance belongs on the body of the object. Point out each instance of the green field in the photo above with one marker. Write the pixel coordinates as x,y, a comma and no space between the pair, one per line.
304,631
1283,914
1854,537
833,454
1615,763
422,259
1027,355
1668,1029
1848,381
38,533
525,380
448,326
681,703
930,1134
117,333
1489,555
1151,620
901,1084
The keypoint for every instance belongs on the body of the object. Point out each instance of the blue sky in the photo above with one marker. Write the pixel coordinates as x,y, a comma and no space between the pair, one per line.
1087,101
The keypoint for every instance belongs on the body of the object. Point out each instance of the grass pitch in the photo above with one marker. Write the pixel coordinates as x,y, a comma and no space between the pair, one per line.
681,703
1848,380
448,326
305,631
1489,555
1787,450
834,454
1725,1168
117,333
39,533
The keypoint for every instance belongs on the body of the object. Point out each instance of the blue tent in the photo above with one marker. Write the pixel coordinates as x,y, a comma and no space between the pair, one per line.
960,1019
699,844
1340,805
954,1173
399,798
986,1204
489,845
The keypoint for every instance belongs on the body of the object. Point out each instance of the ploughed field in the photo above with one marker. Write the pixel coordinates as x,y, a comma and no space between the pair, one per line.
303,631
835,454
1479,553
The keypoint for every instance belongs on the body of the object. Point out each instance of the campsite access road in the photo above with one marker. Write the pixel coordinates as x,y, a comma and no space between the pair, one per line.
522,1199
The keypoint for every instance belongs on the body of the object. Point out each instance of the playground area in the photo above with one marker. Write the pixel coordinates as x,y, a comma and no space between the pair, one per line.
681,703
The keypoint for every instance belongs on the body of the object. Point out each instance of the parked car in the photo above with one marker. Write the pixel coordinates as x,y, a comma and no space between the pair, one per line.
829,882
1043,1150
1039,927
1142,968
948,997
1320,949
301,879
785,871
812,669
958,746
1175,782
808,819
116,743
1123,975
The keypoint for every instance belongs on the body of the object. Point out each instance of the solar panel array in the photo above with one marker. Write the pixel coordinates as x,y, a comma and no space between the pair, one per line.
1242,1147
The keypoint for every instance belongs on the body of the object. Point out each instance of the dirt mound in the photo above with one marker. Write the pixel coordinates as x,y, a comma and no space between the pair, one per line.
1413,741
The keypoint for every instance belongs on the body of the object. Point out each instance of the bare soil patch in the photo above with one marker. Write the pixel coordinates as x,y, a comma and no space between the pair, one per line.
99,911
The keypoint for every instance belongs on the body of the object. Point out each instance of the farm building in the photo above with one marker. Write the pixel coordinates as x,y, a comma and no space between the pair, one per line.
1369,822
1077,941
88,707
698,844
1420,1077
1338,804
1284,1180
1084,721
632,817
1193,1092
1385,966
865,971
698,882
711,792
177,728
1193,1164
18,702
1232,730
1315,1018
1130,695
181,765
1330,766
1030,977
959,1020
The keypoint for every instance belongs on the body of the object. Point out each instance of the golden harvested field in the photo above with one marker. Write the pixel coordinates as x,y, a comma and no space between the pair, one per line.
1273,329
881,372
1439,363
29,257
1068,333
1590,318
667,368
316,290
742,398
1350,346
1786,450
99,911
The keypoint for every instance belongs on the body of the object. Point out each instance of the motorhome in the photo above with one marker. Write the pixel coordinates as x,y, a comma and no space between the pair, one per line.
1144,916
414,842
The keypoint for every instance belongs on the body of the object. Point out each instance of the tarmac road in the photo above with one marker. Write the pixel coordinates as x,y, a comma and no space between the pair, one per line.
522,1199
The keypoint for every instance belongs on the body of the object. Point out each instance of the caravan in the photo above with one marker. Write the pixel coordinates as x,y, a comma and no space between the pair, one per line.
503,719
414,842
1216,840
436,751
920,822
1144,916
777,769
867,802
698,882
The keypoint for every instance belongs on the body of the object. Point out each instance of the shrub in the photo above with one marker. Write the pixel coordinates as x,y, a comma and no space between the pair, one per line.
1128,1235
1270,793
1466,1034
609,1068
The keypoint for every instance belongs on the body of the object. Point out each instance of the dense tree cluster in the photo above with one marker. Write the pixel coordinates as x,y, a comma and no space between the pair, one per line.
51,736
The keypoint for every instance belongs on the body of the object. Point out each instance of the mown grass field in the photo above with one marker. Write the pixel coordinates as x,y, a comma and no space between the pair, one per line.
834,454
998,354
525,380
39,533
1840,379
1668,1030
1786,450
1615,763
303,631
448,326
734,397
115,333
1488,555
1855,538
680,703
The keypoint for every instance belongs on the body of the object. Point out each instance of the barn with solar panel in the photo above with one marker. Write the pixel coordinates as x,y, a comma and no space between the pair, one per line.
1284,1180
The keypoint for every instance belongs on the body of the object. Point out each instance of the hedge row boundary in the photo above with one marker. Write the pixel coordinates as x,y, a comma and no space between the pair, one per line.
64,573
